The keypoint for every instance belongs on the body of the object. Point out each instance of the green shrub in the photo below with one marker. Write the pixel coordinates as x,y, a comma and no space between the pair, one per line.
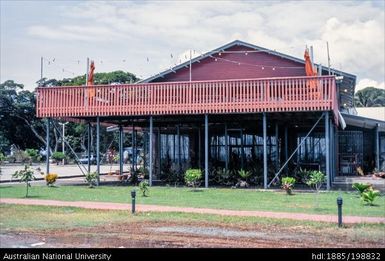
369,196
58,156
26,175
316,179
144,187
244,174
288,184
2,157
361,187
92,179
192,177
33,154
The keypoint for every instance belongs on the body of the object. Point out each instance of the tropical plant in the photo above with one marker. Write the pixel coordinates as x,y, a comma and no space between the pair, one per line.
361,187
2,157
369,196
370,97
58,156
244,174
316,179
288,184
144,187
33,154
192,177
50,178
26,175
92,179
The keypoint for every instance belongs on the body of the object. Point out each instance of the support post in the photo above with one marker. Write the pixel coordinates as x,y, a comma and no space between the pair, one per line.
286,146
327,158
178,148
276,147
98,149
199,148
226,148
242,150
264,152
89,148
121,150
47,147
151,153
133,142
377,147
206,151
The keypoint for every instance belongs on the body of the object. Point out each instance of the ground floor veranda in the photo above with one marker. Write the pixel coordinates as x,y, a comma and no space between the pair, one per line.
268,145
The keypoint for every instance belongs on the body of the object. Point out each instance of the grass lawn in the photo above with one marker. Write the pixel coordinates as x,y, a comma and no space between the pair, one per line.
235,199
71,224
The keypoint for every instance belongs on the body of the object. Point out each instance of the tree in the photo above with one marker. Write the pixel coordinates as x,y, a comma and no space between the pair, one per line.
370,97
25,175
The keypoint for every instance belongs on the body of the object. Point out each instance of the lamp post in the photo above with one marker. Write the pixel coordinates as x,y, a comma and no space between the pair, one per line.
63,137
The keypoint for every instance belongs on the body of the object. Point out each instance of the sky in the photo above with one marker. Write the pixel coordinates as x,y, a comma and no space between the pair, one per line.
147,37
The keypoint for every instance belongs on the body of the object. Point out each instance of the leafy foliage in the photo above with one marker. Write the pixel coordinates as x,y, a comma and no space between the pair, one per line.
58,156
316,179
26,175
192,177
288,184
50,178
370,97
369,196
92,179
244,174
361,187
144,187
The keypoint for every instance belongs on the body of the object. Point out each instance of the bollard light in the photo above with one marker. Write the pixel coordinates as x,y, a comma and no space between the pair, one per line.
133,195
339,205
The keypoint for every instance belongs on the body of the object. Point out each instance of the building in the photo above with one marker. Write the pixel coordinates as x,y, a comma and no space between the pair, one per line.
239,106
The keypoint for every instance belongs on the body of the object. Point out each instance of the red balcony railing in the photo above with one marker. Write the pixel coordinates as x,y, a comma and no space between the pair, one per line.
198,97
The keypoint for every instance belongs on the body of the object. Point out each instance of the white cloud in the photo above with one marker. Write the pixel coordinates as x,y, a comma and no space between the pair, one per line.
363,83
155,29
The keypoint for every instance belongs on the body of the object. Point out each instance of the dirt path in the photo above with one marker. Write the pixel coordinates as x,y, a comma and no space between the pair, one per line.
154,208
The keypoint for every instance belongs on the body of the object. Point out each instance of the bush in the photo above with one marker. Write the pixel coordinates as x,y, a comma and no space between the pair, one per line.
143,186
288,184
33,154
192,177
26,175
2,157
92,179
50,178
369,196
244,174
361,187
58,156
316,179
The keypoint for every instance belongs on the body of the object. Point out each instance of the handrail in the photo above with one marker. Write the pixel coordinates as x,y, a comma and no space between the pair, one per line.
197,97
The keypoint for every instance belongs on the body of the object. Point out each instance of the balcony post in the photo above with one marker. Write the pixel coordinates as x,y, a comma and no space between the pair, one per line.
98,149
47,147
327,158
206,151
121,137
286,146
151,153
89,147
226,148
377,147
277,147
264,152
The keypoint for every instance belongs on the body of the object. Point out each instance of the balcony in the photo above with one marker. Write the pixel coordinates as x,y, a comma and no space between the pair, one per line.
198,97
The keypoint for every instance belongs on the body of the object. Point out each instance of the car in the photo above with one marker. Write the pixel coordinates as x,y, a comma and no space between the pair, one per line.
84,159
